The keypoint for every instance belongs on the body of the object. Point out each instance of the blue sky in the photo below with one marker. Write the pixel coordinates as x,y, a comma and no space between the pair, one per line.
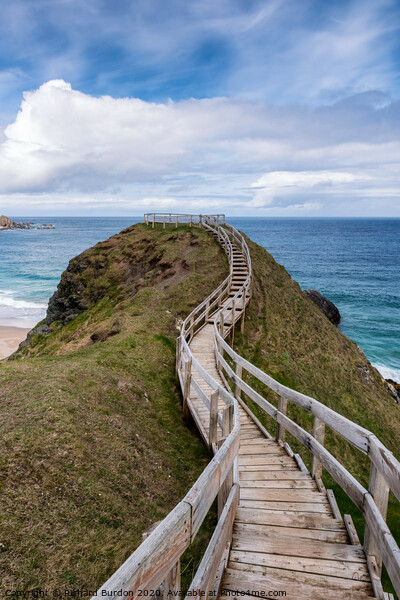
262,107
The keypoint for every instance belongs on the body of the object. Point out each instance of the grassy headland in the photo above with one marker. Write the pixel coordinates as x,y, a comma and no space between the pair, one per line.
93,448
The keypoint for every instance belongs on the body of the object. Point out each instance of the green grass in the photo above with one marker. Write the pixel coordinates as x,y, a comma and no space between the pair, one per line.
94,448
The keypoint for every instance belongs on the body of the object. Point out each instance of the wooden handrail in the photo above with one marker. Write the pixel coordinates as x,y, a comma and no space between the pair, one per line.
384,546
148,567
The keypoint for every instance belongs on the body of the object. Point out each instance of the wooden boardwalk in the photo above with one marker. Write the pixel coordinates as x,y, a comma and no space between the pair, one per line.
286,537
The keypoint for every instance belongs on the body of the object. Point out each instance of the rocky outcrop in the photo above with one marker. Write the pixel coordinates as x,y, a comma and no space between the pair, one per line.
325,305
393,388
7,223
69,300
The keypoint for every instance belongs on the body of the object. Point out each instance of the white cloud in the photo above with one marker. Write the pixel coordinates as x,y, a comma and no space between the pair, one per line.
278,184
125,153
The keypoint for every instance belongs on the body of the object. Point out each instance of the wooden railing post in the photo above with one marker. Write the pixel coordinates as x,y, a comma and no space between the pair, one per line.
176,223
244,293
233,311
238,372
172,583
222,322
379,490
213,431
319,434
154,218
178,357
227,424
207,313
186,385
280,429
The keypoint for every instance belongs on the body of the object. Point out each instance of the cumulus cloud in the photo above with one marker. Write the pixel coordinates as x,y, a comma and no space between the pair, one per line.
209,152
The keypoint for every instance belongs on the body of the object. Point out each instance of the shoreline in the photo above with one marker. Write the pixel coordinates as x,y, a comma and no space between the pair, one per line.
10,339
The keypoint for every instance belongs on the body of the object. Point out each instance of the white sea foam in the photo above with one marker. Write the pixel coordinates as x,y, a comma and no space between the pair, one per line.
388,372
6,300
20,313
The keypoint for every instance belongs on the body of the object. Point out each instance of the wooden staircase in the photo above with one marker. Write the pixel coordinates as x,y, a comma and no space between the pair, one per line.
286,535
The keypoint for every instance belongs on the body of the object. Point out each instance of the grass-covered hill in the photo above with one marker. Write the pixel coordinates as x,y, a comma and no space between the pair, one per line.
93,448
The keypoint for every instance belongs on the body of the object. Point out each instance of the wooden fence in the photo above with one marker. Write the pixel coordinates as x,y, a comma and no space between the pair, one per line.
155,563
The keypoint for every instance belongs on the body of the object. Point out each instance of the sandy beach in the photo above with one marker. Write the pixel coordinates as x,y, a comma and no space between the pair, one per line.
10,338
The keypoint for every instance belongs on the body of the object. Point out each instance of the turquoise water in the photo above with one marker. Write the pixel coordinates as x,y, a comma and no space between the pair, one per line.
354,262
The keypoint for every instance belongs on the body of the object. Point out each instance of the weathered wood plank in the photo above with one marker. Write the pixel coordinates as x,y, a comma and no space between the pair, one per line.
255,585
280,484
255,442
339,537
280,429
206,488
272,465
333,504
319,434
375,575
214,592
348,570
213,430
262,459
384,540
321,580
208,567
271,495
260,450
274,475
296,507
351,530
251,436
288,546
379,490
263,517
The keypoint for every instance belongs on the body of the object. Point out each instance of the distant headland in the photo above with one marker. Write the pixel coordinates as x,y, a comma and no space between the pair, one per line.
6,223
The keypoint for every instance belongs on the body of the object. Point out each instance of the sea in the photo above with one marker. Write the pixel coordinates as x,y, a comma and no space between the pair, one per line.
352,261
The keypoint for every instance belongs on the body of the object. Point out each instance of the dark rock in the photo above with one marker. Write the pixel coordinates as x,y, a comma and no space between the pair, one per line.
68,301
325,305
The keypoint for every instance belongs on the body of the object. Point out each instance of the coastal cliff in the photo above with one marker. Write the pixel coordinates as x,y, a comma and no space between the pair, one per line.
93,436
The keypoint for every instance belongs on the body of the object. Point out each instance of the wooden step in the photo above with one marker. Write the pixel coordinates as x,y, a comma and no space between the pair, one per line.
254,583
